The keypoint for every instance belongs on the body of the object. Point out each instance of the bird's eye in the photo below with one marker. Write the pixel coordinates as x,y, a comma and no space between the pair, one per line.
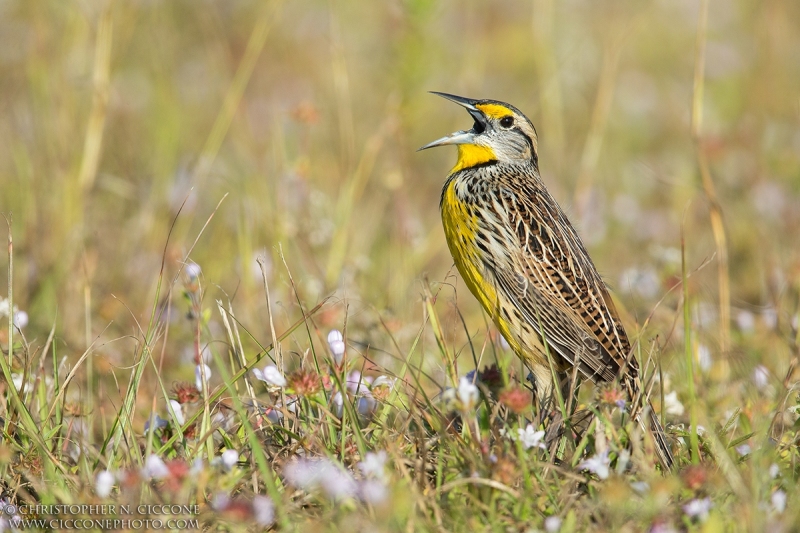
507,122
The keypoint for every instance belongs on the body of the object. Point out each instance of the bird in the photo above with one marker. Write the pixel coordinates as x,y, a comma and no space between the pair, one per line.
525,263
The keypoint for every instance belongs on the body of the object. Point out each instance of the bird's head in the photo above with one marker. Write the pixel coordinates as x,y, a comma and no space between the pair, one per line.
500,134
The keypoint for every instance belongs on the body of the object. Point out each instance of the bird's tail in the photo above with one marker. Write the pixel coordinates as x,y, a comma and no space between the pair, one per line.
663,450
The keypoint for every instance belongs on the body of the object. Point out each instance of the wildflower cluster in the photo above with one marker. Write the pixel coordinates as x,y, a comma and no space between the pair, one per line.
326,429
338,483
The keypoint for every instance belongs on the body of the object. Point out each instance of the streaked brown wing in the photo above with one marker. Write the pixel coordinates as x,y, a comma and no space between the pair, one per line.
552,281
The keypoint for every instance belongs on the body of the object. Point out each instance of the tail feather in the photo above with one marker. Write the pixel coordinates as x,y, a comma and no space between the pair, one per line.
663,450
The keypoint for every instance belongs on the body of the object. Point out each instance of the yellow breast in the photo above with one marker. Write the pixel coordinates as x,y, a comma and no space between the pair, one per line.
460,229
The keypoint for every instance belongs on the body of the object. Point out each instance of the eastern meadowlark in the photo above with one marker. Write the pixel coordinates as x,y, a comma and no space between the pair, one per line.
522,259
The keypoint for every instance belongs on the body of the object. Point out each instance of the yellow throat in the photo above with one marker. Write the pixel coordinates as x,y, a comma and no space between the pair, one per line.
470,155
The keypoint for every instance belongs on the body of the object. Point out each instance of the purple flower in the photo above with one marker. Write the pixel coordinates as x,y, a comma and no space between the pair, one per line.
337,346
263,510
698,508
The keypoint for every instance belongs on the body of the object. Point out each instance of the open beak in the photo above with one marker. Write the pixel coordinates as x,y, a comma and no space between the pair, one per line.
464,136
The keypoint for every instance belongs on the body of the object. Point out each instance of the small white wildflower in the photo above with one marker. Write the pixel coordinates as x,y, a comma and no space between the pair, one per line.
16,379
273,413
531,438
335,335
552,524
292,402
220,501
373,491
597,464
698,508
197,467
20,319
366,404
770,317
154,468
672,405
704,357
304,474
192,270
383,381
779,501
313,473
198,376
743,449
746,321
761,377
229,459
219,419
263,510
337,345
468,394
178,410
623,459
270,375
448,398
774,471
374,465
5,308
355,382
103,484
338,403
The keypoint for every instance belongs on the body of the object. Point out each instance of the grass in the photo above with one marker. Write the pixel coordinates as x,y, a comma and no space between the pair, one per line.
272,144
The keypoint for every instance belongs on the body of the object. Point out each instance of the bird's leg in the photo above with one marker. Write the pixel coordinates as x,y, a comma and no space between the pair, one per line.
554,414
548,408
552,410
541,381
578,420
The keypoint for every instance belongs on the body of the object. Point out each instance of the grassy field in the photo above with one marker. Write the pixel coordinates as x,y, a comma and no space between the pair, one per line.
235,308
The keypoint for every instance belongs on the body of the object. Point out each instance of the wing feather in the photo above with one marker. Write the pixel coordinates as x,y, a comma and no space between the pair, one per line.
542,268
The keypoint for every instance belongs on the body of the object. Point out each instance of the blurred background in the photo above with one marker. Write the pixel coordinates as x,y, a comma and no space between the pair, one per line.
307,116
